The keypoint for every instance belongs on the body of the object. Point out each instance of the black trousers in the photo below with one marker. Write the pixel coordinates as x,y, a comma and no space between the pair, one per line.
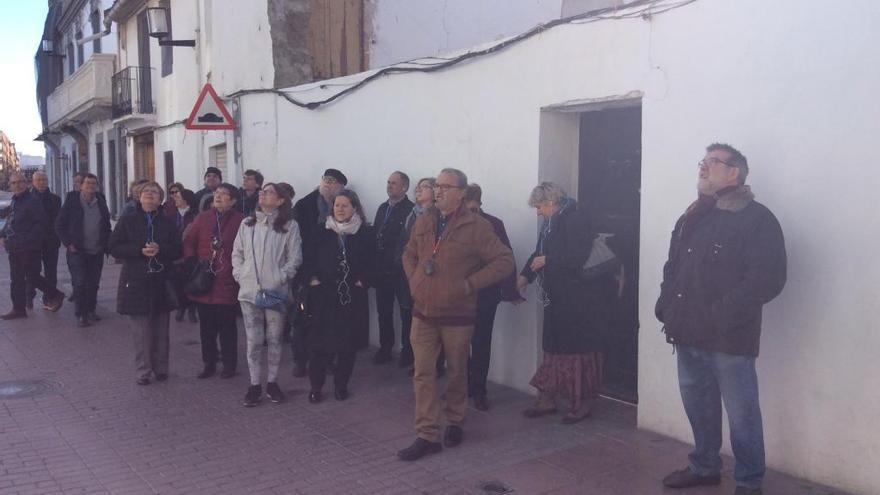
49,259
318,362
24,270
218,320
481,347
386,292
85,274
299,333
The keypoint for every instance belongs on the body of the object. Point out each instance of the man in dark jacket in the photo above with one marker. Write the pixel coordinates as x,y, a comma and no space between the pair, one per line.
389,223
310,213
488,300
205,195
84,228
726,260
251,183
49,250
22,236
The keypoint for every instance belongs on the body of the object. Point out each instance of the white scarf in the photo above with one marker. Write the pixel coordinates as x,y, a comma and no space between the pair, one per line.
350,227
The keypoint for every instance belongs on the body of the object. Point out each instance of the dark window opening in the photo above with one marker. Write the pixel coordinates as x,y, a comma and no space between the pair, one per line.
71,60
169,166
95,20
167,51
80,50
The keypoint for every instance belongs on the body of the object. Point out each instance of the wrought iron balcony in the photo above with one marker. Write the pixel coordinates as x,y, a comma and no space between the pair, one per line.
133,92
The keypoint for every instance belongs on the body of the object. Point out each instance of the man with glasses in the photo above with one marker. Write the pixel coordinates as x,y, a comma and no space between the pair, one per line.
726,261
49,250
389,223
83,227
22,236
452,254
311,212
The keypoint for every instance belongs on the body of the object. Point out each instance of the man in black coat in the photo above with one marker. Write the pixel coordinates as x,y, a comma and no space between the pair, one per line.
49,250
726,261
204,196
389,222
22,236
83,226
310,213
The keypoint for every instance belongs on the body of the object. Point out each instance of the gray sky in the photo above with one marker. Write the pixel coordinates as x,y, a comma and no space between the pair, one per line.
21,29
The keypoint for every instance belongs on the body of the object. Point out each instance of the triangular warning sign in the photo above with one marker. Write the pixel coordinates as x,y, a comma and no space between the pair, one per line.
209,113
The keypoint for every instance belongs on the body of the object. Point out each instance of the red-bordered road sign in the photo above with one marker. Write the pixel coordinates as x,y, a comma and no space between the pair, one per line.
209,114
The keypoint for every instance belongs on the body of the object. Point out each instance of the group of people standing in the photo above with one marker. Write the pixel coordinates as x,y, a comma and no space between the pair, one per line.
447,263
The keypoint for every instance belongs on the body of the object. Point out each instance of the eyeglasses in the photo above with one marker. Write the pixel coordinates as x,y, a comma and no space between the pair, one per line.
420,188
446,187
267,191
708,162
175,191
329,180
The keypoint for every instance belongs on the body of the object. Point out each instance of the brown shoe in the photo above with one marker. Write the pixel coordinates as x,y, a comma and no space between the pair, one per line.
540,408
55,303
14,314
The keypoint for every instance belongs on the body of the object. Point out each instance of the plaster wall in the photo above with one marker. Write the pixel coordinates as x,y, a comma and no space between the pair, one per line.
789,87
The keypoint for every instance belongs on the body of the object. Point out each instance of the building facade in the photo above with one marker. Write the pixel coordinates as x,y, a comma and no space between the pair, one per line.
9,161
615,104
75,63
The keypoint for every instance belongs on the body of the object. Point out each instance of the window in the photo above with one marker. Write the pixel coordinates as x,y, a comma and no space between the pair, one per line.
80,50
217,157
71,60
95,20
167,51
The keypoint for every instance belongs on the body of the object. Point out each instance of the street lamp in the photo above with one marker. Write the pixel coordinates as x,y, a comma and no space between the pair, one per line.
157,18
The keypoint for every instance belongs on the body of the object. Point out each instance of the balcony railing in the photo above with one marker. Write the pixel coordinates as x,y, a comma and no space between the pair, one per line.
132,92
85,95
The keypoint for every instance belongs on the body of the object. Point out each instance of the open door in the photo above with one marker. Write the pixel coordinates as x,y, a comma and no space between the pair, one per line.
609,181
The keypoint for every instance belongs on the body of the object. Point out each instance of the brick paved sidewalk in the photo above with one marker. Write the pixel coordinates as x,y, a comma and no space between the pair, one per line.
92,430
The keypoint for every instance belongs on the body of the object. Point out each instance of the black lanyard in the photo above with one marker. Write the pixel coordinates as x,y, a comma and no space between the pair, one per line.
150,217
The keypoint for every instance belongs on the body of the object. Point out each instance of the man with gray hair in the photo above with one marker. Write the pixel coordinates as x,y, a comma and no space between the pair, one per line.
22,236
726,261
451,255
49,248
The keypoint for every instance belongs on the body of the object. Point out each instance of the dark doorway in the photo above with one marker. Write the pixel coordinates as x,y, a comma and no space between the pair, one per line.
169,166
114,184
609,182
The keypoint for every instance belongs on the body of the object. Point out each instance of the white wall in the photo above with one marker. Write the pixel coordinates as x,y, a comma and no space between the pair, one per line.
794,88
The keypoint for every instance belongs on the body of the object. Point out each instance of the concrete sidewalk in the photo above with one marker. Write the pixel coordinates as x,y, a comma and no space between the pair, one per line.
83,426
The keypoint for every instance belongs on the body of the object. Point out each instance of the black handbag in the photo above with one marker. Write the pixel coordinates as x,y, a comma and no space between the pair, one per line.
201,277
172,294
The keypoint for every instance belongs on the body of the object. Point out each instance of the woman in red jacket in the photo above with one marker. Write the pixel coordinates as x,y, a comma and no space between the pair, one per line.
210,238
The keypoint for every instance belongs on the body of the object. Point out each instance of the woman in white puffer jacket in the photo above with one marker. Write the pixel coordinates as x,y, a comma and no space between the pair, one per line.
266,256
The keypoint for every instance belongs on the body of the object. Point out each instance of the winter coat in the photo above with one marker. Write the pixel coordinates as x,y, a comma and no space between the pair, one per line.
718,278
51,205
388,232
576,318
338,327
69,224
306,213
142,281
181,223
198,242
247,204
468,258
26,224
276,255
505,289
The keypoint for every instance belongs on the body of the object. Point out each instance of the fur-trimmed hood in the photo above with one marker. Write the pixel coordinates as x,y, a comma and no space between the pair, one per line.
734,200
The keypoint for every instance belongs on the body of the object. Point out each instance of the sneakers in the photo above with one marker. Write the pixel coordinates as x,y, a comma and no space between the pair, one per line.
252,397
54,304
420,448
273,391
685,478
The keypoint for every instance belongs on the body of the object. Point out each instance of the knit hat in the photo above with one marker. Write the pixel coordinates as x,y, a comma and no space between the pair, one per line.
214,170
336,174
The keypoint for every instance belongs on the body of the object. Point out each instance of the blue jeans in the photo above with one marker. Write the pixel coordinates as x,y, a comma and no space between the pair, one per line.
705,378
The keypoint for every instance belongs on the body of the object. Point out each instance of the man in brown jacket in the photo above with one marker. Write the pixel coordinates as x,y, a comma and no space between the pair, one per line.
452,254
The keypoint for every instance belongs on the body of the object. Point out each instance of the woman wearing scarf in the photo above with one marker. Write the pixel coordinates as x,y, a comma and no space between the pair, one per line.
339,261
181,209
573,309
266,256
147,244
210,238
